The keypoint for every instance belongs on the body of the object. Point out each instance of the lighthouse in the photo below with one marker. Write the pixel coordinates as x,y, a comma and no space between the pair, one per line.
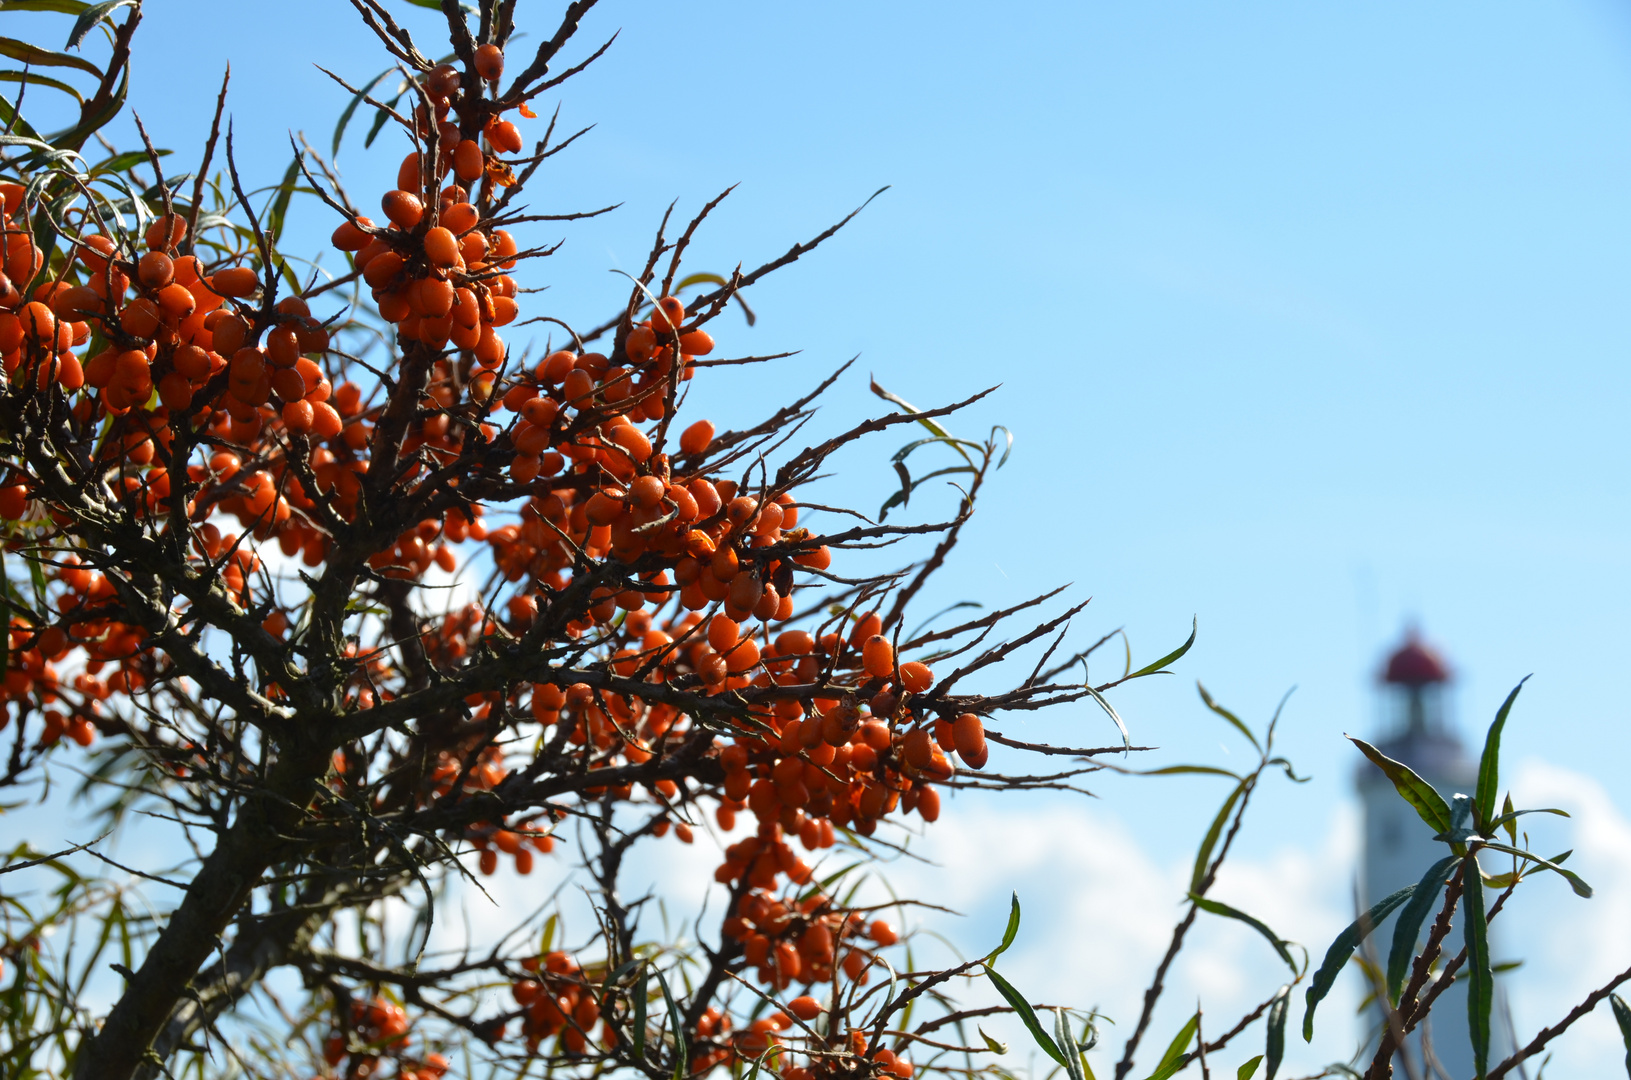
1414,727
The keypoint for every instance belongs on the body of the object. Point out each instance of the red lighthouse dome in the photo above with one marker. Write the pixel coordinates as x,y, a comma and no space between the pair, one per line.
1415,664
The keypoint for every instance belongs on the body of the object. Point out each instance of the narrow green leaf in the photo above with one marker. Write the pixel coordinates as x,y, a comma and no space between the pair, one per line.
682,1053
34,56
546,940
1027,1015
280,205
88,125
1151,669
1481,981
351,108
1246,1071
36,573
120,162
1489,764
896,399
1191,770
700,278
91,16
1509,816
638,1020
1008,934
10,119
1415,791
1203,855
1067,1044
1576,882
1239,724
24,140
34,78
65,7
1622,1017
1126,739
1008,446
1336,957
381,117
5,614
1173,1059
1274,1050
1408,928
1219,908
998,1048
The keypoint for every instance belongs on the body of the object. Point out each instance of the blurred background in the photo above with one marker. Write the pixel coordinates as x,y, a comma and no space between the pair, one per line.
1310,323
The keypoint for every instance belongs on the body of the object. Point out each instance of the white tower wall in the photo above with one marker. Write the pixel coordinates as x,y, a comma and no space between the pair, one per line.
1399,848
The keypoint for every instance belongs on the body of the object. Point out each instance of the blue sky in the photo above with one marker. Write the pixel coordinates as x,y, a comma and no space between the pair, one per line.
1310,319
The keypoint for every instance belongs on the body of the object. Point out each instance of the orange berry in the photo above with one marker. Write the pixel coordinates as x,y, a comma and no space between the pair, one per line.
407,174
177,302
968,736
140,318
647,491
667,316
696,438
73,303
461,217
881,932
297,417
234,281
326,422
468,162
382,269
432,297
504,136
540,411
402,208
489,62
166,232
805,1007
155,270
349,236
744,656
192,362
175,391
723,633
441,248
878,657
640,344
916,676
38,321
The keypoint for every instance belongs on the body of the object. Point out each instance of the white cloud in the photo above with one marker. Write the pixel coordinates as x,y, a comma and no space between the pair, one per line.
1572,946
1099,912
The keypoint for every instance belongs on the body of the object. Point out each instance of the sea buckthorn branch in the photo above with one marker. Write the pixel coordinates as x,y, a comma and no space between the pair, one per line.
127,548
636,633
539,67
1381,1065
1208,877
1546,1035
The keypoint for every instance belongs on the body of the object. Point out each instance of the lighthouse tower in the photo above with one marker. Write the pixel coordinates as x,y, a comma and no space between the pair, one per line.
1399,847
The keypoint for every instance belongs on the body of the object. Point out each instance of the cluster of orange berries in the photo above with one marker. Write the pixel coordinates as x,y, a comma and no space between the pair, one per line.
378,1028
718,1045
557,1000
518,843
114,656
797,940
168,326
435,271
